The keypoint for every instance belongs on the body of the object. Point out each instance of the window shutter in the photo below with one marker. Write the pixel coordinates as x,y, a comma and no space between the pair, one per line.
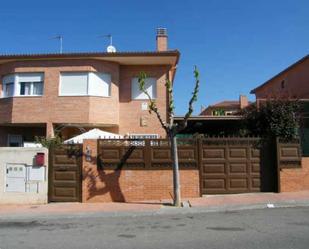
150,87
99,84
74,84
30,77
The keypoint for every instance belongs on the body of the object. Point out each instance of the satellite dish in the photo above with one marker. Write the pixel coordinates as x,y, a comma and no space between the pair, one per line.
111,49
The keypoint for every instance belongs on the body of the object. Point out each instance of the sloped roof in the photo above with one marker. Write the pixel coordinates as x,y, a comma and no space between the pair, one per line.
89,54
226,103
282,72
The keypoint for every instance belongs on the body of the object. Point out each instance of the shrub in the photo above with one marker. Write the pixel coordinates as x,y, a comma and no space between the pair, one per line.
273,118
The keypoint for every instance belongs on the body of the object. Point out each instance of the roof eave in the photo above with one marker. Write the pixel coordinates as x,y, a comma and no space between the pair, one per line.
253,91
97,55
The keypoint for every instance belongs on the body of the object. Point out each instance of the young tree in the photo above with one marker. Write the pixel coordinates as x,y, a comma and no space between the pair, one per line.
170,127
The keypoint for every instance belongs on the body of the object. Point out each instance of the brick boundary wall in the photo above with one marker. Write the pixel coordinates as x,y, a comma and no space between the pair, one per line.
295,179
129,185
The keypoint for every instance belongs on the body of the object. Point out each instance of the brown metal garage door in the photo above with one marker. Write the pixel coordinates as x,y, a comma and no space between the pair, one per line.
65,174
236,166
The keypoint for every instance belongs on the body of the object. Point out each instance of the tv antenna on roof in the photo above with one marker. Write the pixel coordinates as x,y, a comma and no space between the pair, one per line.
110,48
60,38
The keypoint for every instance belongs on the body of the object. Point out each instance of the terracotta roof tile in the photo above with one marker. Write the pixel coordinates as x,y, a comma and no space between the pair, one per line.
87,54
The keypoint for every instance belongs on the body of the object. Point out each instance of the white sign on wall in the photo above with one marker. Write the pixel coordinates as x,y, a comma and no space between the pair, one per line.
144,106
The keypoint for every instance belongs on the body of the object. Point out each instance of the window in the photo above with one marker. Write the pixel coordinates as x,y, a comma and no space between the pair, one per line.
37,88
25,88
85,83
8,85
31,88
74,84
282,84
150,87
9,89
23,84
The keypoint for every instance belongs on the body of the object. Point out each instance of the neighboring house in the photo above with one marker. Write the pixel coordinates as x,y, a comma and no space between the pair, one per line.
42,94
226,108
291,83
211,125
221,119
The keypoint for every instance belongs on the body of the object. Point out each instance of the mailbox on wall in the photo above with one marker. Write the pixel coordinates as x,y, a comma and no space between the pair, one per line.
40,159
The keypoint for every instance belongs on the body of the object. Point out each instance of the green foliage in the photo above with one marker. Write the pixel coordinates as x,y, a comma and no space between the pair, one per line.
273,118
218,112
141,82
48,142
169,88
170,127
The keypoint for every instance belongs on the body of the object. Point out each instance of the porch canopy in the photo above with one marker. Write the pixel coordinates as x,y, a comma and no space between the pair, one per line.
92,134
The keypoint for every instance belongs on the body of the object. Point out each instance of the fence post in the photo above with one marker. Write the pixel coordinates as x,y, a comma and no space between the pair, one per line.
200,162
147,155
277,147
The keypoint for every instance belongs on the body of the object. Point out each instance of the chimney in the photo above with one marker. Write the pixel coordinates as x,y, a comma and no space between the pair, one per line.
161,39
243,101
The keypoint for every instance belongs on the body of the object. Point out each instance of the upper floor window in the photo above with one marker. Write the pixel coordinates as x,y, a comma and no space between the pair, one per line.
30,84
23,84
150,87
85,83
8,86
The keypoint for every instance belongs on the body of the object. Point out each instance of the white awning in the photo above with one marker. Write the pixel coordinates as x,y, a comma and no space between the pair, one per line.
92,134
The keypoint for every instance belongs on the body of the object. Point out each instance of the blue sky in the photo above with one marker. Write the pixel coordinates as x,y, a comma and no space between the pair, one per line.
236,44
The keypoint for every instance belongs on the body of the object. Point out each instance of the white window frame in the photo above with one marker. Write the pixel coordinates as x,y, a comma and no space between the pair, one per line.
154,89
31,88
16,80
87,74
4,91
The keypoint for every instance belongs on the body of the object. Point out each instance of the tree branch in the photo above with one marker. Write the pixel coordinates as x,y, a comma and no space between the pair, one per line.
184,122
152,104
171,106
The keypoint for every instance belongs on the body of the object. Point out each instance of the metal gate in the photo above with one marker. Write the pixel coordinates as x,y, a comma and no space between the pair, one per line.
237,165
65,179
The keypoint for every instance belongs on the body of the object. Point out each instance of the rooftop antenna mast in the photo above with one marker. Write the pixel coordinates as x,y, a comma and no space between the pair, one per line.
60,38
110,48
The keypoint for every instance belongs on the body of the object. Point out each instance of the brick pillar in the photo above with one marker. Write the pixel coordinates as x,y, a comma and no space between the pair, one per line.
89,166
243,101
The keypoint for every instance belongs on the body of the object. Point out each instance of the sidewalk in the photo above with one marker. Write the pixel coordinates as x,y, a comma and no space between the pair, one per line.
209,203
251,201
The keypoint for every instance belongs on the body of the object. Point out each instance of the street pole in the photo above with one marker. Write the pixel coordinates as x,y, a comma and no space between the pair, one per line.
176,181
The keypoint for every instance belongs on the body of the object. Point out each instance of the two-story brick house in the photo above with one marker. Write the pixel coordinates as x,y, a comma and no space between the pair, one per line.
291,83
45,93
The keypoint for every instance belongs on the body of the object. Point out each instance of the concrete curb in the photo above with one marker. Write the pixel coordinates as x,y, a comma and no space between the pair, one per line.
164,210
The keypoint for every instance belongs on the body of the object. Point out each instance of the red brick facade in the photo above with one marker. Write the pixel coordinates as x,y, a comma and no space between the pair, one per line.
295,179
292,82
118,113
132,185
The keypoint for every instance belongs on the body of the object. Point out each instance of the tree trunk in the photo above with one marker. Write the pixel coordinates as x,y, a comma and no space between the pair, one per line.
176,184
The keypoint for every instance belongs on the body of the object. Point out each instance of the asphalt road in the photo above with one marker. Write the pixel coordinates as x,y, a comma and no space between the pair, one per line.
267,228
